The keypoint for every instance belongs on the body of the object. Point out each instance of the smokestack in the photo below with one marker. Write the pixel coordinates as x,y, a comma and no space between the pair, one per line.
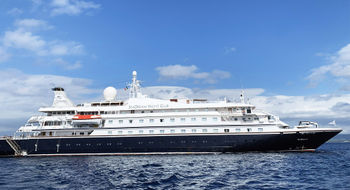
61,99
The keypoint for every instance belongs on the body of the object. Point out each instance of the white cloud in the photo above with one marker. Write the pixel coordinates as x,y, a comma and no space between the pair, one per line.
338,68
229,50
24,40
22,94
66,65
32,24
185,72
24,37
15,12
4,55
71,7
65,48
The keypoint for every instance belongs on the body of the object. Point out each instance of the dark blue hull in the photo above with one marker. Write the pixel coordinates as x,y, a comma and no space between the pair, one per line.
171,144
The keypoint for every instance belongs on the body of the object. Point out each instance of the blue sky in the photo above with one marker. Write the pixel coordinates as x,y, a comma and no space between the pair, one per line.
288,49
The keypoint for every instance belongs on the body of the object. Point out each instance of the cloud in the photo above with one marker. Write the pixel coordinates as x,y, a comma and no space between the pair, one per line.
229,50
180,72
24,37
32,24
66,65
71,7
22,94
338,68
4,56
15,12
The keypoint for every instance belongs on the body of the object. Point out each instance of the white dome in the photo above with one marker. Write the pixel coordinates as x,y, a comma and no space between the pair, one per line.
110,93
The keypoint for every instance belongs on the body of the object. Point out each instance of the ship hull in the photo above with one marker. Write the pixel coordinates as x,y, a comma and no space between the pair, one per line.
170,144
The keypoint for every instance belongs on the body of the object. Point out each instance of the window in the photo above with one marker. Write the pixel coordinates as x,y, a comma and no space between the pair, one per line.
172,119
141,121
151,111
183,130
236,119
142,111
110,121
194,130
120,121
183,119
151,131
129,132
172,131
249,110
109,132
215,119
151,120
161,120
226,130
238,130
130,121
204,119
113,112
132,111
256,118
161,131
120,132
141,131
260,129
204,130
249,129
193,119
215,130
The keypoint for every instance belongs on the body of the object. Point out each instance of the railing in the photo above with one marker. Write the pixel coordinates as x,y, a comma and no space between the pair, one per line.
14,146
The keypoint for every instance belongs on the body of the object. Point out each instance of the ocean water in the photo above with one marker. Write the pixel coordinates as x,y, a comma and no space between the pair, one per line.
327,168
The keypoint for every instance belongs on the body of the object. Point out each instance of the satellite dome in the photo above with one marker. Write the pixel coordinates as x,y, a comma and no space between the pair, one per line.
110,93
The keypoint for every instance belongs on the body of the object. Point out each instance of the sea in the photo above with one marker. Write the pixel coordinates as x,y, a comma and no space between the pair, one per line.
327,168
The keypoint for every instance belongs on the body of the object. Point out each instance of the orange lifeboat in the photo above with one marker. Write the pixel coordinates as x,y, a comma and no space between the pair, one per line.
85,117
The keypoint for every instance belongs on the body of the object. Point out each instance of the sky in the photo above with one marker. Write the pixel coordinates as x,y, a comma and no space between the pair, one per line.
292,58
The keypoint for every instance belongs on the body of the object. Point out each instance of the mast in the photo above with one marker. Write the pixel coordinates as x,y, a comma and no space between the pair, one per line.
135,91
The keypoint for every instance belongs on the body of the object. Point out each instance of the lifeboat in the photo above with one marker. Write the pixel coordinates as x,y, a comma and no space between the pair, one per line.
86,117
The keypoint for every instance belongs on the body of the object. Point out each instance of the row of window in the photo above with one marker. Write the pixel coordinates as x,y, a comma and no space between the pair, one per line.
162,131
162,120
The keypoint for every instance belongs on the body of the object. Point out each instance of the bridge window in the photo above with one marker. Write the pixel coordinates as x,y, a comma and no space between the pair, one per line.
141,131
238,130
204,119
194,130
249,129
193,119
260,129
120,121
172,131
141,121
183,130
226,130
151,120
161,131
110,121
183,119
204,130
172,119
215,119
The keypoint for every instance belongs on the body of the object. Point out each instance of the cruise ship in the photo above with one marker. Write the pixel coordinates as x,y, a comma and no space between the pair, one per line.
144,125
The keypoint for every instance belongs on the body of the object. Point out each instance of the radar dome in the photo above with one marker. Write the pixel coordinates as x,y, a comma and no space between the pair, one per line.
110,93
